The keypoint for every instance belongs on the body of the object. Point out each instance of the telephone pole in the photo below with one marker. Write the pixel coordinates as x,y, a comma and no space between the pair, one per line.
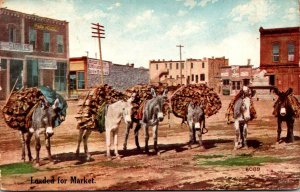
180,66
98,34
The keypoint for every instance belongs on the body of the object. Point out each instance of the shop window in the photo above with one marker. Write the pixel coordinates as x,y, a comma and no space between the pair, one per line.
32,73
80,80
226,82
3,64
291,51
275,51
192,65
60,76
60,44
73,80
196,78
12,31
202,77
203,65
32,38
170,65
46,44
16,69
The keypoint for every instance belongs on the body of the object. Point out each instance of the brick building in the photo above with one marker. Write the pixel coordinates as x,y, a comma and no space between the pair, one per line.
85,73
192,71
234,78
34,50
279,56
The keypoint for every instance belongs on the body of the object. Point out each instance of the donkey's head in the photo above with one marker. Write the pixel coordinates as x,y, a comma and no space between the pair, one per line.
48,116
127,108
283,100
158,103
195,112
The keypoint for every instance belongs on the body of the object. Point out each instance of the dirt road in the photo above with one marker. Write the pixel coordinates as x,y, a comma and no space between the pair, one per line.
264,165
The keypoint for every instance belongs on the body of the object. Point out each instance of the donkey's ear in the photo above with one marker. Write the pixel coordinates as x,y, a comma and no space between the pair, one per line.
288,92
56,103
276,91
165,94
153,93
253,92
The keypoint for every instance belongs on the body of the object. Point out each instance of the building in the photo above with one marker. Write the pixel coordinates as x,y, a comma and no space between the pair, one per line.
234,78
192,71
279,56
34,51
85,73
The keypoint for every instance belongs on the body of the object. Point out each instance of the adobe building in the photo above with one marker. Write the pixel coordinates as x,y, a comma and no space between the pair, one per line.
190,71
85,73
279,56
33,50
234,78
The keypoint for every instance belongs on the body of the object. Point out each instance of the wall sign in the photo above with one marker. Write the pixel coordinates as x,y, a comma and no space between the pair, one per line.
40,26
244,73
18,47
235,71
94,67
47,64
224,74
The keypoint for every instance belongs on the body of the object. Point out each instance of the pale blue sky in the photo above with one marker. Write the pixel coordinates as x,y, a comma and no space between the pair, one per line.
141,30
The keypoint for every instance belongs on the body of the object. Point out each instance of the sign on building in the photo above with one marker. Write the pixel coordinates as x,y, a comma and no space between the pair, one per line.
18,47
94,67
235,71
47,64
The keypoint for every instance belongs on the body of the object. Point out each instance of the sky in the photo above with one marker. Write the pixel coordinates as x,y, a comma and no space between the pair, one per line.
137,31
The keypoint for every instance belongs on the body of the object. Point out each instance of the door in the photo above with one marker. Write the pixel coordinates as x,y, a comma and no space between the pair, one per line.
16,68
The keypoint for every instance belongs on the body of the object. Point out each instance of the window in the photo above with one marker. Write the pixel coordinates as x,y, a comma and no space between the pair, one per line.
12,31
60,76
238,86
202,77
177,65
203,65
156,66
170,76
32,73
80,81
60,44
275,50
3,64
246,82
291,51
32,38
46,46
170,65
226,82
196,78
177,76
166,65
192,77
192,65
182,65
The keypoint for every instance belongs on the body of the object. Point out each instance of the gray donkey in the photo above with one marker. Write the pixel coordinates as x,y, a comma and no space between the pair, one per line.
152,115
42,122
196,121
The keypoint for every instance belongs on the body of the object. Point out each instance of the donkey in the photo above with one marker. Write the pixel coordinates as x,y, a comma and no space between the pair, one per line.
115,112
43,118
152,115
196,121
285,113
241,114
113,116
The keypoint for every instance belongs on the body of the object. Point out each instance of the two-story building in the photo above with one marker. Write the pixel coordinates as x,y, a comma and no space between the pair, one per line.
279,56
189,71
34,51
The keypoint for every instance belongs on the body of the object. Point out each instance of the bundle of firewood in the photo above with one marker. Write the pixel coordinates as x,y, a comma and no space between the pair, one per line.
94,103
19,108
200,94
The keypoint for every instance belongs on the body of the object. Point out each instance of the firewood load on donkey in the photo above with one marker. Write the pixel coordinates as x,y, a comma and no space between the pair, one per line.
192,103
241,110
91,114
286,108
34,111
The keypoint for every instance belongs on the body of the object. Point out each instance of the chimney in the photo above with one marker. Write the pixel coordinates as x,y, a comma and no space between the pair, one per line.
212,57
131,65
248,62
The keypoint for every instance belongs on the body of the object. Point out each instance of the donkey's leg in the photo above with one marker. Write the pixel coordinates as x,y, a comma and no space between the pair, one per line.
245,130
37,146
128,127
237,134
155,129
278,129
48,147
115,135
146,129
136,135
290,127
79,141
200,134
28,141
22,136
85,139
107,138
191,134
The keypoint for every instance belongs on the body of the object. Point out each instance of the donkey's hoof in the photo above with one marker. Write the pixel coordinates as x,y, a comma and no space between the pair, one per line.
124,147
201,147
88,158
118,156
158,153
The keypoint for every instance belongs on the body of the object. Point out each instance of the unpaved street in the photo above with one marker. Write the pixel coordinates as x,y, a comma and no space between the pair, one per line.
265,165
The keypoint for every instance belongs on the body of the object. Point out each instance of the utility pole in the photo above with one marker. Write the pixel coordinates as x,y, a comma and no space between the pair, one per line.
98,34
180,66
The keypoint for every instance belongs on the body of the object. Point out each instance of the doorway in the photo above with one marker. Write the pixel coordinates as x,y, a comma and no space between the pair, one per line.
16,68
